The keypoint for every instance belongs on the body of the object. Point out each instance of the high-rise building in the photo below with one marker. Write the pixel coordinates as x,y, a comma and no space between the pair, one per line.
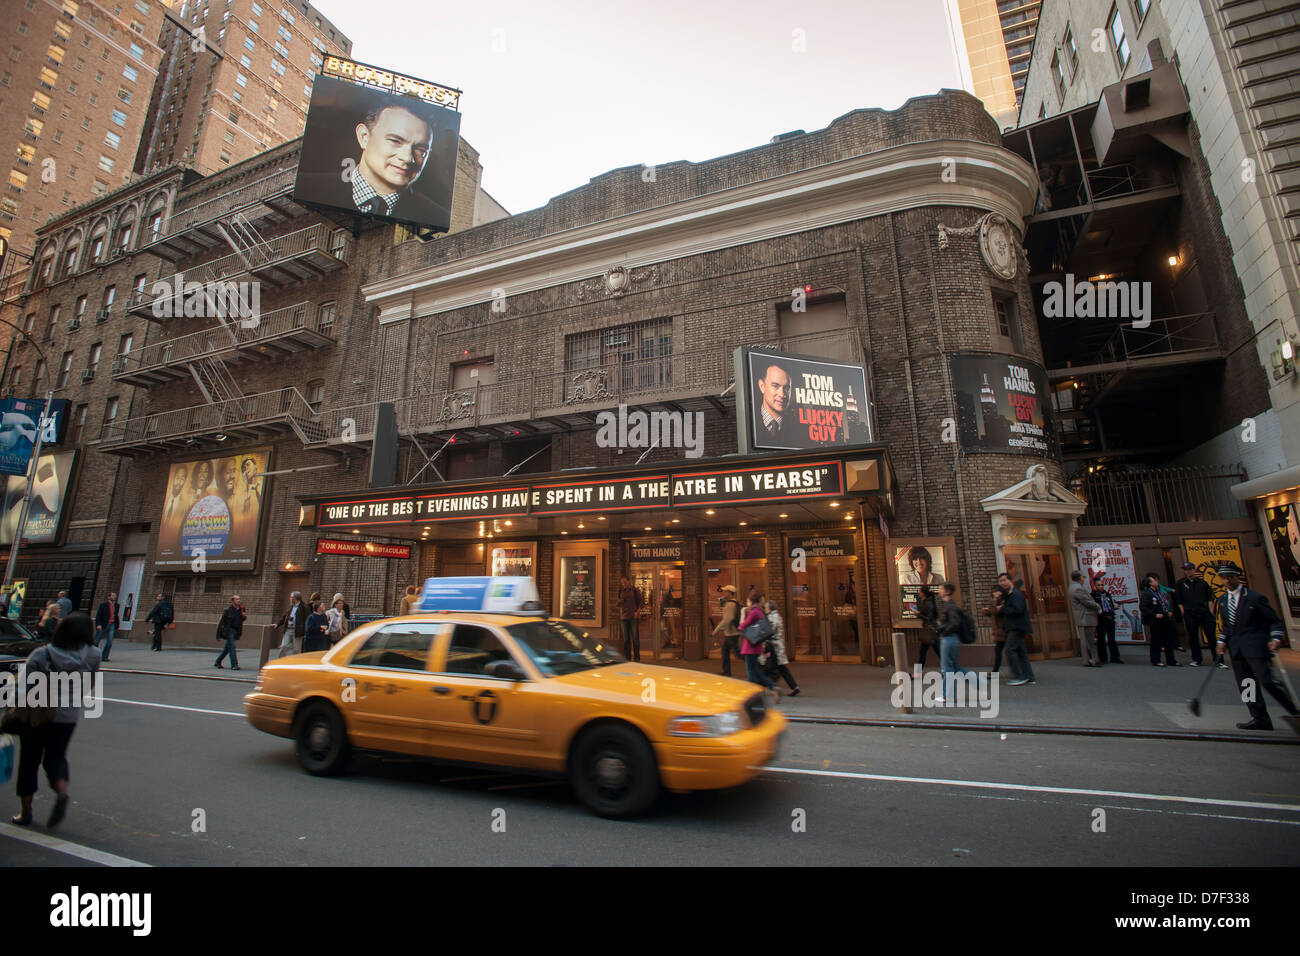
236,80
75,81
992,41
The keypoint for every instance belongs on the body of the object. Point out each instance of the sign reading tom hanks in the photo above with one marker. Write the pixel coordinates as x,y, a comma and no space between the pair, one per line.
380,144
1003,405
799,402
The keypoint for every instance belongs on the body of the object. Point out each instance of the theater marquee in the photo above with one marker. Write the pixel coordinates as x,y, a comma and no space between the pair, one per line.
783,482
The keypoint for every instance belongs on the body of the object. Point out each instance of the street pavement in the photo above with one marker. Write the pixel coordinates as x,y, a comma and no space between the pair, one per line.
173,774
1128,697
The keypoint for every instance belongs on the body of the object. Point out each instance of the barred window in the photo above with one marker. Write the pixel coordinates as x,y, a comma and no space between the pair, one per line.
641,352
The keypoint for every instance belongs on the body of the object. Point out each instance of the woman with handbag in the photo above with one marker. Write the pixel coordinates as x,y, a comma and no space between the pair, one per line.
337,615
752,641
46,730
776,649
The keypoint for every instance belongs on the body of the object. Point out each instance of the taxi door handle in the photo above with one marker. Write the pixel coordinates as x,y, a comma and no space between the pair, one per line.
442,690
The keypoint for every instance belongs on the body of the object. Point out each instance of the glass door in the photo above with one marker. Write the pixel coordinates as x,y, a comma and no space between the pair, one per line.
841,597
1043,573
803,619
745,575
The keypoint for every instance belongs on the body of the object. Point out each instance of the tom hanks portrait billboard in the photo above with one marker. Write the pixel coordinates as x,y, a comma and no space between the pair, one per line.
380,144
799,402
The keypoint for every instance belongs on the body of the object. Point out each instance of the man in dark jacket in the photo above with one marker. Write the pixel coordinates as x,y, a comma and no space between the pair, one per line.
160,616
927,609
1194,603
229,628
1105,621
1251,631
106,622
1015,615
629,603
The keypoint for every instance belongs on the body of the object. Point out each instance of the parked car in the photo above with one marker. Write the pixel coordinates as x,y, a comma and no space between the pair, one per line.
16,643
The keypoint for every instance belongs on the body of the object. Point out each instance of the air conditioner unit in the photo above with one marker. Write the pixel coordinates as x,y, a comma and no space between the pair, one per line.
119,366
74,324
88,375
102,316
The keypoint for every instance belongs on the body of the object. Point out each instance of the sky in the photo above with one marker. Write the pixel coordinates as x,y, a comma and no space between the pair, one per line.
557,92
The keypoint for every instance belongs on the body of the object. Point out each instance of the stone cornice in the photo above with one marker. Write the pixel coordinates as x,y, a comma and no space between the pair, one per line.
985,177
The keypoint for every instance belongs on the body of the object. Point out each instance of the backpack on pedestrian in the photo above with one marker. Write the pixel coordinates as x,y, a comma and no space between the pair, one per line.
966,632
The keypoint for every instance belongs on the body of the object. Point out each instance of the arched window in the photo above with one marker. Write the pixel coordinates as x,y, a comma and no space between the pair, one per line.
98,245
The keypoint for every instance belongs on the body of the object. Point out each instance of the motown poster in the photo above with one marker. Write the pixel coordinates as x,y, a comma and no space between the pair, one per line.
1284,533
212,507
800,402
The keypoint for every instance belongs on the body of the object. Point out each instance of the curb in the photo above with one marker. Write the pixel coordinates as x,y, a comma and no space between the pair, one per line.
1219,737
229,680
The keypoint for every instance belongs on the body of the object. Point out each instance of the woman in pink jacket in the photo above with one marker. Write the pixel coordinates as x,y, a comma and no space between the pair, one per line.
749,651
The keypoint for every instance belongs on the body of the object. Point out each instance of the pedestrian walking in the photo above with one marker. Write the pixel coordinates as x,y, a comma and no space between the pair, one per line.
229,629
1194,603
776,647
347,611
994,613
1105,621
726,628
314,629
107,620
949,627
629,603
410,599
752,642
293,625
1085,618
161,616
48,621
46,744
927,609
1158,620
337,616
1250,632
1015,615
65,604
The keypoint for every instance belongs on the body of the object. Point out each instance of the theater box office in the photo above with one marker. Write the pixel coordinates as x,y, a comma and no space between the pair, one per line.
679,531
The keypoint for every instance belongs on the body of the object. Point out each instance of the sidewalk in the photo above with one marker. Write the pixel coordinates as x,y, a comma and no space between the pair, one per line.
1133,697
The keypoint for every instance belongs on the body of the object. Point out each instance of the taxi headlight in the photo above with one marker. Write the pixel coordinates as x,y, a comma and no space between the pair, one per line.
719,725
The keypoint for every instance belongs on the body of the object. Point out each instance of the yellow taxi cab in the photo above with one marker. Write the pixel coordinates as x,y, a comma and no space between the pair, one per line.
482,676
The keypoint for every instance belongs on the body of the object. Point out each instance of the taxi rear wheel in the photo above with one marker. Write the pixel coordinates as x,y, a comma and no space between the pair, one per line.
322,740
613,771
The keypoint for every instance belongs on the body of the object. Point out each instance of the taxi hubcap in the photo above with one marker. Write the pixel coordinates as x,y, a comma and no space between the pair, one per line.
611,771
319,739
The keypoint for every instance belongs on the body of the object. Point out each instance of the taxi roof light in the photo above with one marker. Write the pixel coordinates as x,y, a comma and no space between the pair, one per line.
488,595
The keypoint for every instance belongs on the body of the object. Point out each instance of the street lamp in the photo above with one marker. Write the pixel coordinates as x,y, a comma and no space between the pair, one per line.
31,466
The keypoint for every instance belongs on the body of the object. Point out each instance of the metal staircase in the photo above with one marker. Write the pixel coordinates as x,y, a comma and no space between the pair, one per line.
242,236
215,382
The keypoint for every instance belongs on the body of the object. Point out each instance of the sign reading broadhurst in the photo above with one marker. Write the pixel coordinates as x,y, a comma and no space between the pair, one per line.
380,144
1002,405
822,479
212,509
799,401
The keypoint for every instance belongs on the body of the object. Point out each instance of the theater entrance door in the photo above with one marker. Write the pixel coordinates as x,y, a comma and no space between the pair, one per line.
659,622
821,619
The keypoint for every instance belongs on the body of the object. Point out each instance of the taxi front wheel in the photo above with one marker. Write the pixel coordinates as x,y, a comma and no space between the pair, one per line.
614,772
322,740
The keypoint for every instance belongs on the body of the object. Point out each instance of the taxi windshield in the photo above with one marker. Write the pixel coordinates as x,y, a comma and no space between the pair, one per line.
558,648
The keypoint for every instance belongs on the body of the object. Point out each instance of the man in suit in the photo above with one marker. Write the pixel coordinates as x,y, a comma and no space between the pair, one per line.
774,419
106,621
1250,632
395,143
1085,616
293,624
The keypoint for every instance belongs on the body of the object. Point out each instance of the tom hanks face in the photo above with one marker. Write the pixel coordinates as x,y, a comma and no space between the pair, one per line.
394,147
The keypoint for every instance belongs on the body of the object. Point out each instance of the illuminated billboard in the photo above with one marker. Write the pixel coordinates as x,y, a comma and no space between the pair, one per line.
799,402
380,144
212,508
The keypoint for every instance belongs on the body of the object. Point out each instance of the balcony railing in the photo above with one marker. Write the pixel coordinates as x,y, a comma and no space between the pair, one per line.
1175,335
284,408
675,377
1161,496
332,248
275,184
222,340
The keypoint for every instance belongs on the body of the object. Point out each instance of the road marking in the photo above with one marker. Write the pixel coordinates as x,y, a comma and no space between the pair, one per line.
196,710
1072,791
72,849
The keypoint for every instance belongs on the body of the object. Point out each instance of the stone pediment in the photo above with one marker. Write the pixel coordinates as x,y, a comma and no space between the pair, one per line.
1036,493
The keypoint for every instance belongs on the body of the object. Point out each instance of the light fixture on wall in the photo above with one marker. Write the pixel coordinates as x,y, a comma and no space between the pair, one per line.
1173,260
1282,359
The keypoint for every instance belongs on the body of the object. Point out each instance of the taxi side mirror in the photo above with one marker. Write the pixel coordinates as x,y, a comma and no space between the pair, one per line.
506,670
